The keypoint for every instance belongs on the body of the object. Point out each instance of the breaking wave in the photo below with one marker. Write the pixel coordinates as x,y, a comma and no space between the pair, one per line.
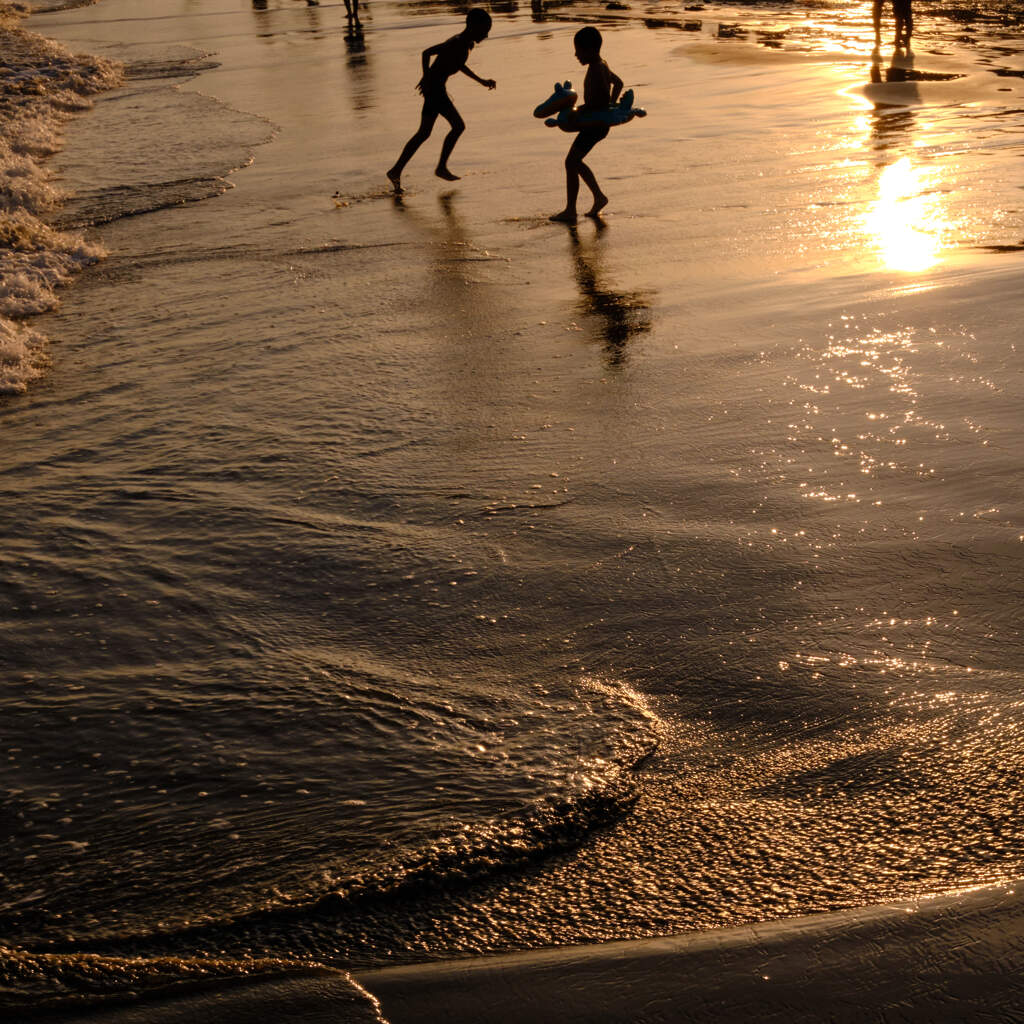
41,85
60,963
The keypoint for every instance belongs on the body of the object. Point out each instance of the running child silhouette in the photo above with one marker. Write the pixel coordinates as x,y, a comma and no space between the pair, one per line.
601,88
449,57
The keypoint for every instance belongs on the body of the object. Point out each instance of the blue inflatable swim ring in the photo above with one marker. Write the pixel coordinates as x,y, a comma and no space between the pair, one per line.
562,105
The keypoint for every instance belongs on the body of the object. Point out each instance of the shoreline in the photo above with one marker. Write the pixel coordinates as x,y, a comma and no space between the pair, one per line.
911,961
958,956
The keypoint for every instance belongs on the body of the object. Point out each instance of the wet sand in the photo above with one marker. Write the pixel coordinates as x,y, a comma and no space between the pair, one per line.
309,997
752,209
951,958
957,957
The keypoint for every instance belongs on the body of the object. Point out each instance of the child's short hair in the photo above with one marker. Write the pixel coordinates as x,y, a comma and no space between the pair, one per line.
588,38
477,16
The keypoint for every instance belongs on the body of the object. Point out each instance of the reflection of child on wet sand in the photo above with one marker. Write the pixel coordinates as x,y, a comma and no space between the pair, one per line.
451,56
904,16
601,89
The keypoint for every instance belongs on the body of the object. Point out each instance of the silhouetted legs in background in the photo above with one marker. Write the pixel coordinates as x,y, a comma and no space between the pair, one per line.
354,27
904,16
904,21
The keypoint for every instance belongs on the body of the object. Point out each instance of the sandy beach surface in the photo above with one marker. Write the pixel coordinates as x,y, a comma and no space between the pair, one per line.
952,958
609,622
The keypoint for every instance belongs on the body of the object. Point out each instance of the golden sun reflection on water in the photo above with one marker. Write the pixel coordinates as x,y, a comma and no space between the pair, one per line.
906,220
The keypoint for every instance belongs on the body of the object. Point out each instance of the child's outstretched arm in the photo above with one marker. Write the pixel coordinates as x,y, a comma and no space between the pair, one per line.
490,83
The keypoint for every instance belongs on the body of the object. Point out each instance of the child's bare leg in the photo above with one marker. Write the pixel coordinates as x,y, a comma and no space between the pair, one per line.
573,163
427,119
446,151
458,126
572,190
575,168
600,199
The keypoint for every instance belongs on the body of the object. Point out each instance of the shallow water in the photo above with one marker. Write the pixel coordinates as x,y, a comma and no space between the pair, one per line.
390,579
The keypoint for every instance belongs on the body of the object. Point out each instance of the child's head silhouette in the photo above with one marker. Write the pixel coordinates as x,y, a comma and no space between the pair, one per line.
478,24
588,43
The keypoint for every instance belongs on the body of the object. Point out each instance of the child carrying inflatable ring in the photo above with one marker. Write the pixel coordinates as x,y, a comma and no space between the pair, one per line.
602,108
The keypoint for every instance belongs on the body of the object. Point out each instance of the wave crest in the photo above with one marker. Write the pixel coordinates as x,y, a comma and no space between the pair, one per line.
41,86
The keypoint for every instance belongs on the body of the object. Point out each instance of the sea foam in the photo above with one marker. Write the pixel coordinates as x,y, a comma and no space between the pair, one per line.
41,85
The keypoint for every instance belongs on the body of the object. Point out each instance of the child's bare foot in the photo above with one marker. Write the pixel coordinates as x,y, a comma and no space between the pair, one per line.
443,172
600,202
565,217
395,178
